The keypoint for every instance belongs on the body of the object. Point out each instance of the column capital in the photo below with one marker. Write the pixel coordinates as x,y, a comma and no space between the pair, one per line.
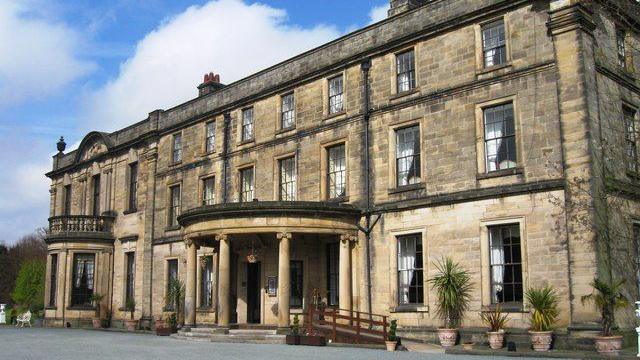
188,241
222,237
283,235
348,238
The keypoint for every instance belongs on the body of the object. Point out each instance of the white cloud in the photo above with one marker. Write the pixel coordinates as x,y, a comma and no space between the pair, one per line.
39,56
228,37
378,13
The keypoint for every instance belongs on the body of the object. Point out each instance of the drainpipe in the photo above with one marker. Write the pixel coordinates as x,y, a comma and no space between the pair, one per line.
225,156
365,67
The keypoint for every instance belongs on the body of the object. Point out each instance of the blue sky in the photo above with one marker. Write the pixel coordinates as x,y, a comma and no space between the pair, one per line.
68,67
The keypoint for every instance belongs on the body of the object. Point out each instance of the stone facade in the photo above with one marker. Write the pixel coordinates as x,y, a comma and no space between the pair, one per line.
560,74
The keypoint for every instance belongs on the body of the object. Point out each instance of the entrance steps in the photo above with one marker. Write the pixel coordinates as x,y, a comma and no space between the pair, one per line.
248,336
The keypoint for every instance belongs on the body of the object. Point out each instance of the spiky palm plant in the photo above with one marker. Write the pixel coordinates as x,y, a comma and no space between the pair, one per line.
544,306
96,299
453,285
175,296
607,298
495,319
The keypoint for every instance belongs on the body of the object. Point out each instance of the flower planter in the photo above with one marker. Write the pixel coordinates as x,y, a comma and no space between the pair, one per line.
447,337
496,339
313,340
391,345
541,340
608,345
468,346
160,324
131,325
163,331
293,339
97,323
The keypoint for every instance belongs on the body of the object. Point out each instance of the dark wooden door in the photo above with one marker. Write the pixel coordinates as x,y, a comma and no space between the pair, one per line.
253,293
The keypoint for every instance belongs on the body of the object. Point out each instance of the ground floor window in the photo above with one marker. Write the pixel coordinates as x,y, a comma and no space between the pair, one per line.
131,275
53,279
83,271
333,253
172,275
636,242
410,275
506,264
297,287
206,283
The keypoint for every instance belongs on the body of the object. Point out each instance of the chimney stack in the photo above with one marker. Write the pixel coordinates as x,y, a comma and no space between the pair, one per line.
210,84
400,6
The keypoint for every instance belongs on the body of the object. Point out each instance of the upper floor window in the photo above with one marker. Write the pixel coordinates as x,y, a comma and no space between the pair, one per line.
410,270
287,179
336,172
408,155
622,48
177,148
209,191
288,115
494,44
67,200
82,287
405,71
133,186
246,184
210,137
336,91
499,137
53,280
174,204
506,264
247,124
630,139
96,195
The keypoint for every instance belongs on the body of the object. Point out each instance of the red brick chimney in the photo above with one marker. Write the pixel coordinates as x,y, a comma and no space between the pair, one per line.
210,84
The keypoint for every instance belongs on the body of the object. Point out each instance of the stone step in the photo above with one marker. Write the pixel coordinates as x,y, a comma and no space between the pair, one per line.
252,332
250,339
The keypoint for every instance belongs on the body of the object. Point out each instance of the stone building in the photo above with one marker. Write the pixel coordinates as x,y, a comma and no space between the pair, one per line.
472,129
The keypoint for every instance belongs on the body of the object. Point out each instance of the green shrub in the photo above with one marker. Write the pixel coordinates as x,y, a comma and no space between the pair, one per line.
391,335
29,289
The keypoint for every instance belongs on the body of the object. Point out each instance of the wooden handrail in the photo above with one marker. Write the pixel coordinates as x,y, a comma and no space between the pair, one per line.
354,322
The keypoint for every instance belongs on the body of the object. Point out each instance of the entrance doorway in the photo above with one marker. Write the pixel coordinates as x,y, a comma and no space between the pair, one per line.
253,293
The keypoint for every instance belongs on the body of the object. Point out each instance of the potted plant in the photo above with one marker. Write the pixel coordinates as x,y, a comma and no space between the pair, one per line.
130,307
392,339
293,338
496,321
544,313
106,322
453,285
172,322
96,299
607,298
174,300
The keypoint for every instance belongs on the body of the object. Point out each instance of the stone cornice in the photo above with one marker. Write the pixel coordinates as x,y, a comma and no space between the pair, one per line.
569,18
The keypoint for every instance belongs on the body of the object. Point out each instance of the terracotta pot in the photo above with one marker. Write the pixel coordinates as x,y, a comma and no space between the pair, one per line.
609,345
468,346
391,345
160,324
496,339
541,340
131,325
447,337
97,323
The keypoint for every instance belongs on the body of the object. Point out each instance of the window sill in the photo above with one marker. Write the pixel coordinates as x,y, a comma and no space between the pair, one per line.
175,163
418,308
404,94
340,199
406,188
297,310
51,308
205,310
246,142
334,115
514,309
168,309
489,70
500,173
128,212
208,153
81,308
172,228
286,131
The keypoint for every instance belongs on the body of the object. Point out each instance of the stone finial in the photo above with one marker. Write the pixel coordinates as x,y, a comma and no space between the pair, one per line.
61,144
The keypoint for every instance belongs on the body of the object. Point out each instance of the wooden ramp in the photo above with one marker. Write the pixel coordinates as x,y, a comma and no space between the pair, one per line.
347,326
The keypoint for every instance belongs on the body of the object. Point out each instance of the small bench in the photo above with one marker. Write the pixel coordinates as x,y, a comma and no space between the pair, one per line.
24,319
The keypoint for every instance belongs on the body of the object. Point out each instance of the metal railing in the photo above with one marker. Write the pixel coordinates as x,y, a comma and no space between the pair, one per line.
69,224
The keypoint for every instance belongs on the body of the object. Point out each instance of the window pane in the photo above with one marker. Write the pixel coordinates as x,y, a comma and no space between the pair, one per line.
96,195
82,279
287,179
288,111
53,280
630,139
500,140
494,44
206,285
506,264
133,186
247,124
131,273
246,185
172,274
333,253
297,286
177,148
405,68
410,272
336,172
209,192
210,137
335,95
174,205
408,156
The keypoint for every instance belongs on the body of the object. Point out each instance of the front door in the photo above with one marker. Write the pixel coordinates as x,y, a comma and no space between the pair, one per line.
253,293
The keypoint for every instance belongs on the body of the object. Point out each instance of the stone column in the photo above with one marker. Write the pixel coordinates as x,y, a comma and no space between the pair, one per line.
190,287
224,280
344,272
284,280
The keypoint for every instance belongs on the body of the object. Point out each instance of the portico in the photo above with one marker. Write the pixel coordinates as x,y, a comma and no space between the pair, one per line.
302,235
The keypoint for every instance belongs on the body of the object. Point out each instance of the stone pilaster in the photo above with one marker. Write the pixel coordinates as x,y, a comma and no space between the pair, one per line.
147,246
284,279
